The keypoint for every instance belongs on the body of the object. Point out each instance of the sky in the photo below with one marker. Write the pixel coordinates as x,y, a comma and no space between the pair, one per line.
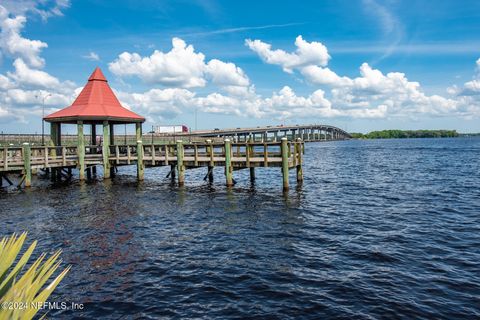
359,65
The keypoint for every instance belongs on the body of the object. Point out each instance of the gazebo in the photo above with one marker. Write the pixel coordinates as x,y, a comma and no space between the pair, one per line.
96,104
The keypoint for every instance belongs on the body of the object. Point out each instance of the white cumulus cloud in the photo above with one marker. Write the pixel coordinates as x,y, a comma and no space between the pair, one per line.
181,66
13,44
307,53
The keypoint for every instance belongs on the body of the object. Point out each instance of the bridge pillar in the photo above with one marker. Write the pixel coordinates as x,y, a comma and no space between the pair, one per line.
275,136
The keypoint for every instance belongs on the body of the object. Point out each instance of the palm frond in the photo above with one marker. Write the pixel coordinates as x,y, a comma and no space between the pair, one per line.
29,288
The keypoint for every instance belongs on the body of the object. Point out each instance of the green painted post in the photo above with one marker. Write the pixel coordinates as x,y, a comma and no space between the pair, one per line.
112,143
106,151
228,163
284,148
138,131
298,154
53,138
209,150
26,165
80,150
180,166
140,166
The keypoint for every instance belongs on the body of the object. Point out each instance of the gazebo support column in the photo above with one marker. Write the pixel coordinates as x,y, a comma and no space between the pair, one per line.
112,143
80,150
56,138
93,169
106,151
138,134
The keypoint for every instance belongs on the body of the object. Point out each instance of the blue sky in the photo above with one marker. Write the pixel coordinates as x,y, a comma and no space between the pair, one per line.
361,65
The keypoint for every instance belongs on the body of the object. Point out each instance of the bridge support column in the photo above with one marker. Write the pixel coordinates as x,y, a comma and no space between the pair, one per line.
106,151
26,165
80,151
275,136
180,166
284,148
228,163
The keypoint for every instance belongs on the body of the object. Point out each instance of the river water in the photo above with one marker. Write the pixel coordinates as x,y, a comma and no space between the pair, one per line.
379,229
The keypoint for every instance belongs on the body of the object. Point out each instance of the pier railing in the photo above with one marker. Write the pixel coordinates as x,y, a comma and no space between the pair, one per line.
179,155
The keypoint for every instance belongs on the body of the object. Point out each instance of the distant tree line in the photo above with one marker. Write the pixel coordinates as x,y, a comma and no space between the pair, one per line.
398,134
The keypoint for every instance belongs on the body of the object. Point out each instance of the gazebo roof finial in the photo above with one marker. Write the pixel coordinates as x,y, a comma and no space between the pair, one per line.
97,74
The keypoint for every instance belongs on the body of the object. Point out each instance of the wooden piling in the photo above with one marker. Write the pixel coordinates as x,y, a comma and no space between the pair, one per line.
112,143
106,151
252,174
285,150
298,155
80,150
140,165
53,138
209,150
228,163
5,158
26,165
180,166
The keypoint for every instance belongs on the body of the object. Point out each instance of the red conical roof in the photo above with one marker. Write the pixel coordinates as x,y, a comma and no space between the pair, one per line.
96,102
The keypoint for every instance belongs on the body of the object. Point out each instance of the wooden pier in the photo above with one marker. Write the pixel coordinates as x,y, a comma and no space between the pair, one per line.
179,156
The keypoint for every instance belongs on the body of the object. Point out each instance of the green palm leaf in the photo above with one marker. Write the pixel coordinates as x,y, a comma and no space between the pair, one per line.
30,287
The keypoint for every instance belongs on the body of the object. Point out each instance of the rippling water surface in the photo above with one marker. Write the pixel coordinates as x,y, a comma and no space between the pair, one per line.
379,229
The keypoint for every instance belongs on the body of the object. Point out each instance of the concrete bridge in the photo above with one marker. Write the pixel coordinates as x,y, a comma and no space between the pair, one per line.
308,133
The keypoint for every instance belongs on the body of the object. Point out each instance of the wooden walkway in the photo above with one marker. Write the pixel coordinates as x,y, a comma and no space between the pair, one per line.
60,160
